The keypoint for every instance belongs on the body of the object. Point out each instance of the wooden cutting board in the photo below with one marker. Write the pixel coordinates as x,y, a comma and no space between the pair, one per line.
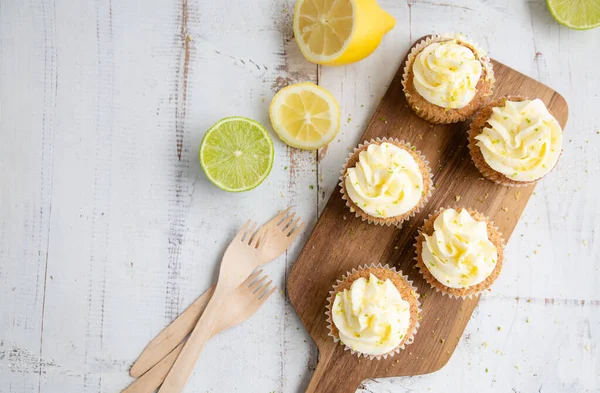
340,242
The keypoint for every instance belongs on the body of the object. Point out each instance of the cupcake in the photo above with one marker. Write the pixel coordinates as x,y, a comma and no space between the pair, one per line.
459,253
447,78
373,311
515,141
385,181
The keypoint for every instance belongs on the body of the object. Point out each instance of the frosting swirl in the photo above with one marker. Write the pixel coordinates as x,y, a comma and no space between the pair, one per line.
371,317
446,74
523,141
385,182
459,253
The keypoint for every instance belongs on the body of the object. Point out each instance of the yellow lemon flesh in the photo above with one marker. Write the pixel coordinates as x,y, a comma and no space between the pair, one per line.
305,116
337,32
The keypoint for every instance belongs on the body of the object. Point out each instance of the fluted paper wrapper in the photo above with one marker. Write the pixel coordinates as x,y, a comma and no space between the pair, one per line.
415,312
437,114
394,220
493,234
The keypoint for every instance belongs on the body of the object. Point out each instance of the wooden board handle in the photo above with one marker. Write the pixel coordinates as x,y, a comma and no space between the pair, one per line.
327,379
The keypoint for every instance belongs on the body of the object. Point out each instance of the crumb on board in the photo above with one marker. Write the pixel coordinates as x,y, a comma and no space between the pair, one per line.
457,198
505,209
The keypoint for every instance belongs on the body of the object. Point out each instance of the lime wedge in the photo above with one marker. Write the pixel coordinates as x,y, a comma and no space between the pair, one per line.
236,154
576,14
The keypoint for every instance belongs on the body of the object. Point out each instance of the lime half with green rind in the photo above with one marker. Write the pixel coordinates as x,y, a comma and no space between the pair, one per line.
576,14
236,154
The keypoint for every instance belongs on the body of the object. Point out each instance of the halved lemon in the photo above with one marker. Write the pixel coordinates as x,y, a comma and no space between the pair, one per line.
337,32
305,116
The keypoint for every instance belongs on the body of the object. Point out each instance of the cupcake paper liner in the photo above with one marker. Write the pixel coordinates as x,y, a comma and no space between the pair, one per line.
494,235
434,113
395,220
476,127
410,336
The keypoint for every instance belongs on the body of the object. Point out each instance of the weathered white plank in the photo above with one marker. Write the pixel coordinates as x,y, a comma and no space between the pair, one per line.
125,92
543,345
28,74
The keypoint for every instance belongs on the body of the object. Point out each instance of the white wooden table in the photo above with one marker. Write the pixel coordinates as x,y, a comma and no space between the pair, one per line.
109,228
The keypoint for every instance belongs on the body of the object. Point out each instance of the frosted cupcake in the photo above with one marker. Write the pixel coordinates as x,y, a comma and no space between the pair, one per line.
515,141
385,181
459,253
373,311
447,78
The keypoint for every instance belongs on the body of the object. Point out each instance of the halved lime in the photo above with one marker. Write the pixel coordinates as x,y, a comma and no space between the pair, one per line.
236,154
576,14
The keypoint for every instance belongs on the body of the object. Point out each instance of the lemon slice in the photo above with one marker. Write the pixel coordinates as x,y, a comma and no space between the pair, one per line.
337,32
305,116
576,14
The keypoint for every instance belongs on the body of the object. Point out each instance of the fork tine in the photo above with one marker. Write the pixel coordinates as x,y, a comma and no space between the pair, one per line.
267,295
242,232
296,231
262,240
277,219
252,277
263,288
292,226
249,232
257,236
287,220
257,284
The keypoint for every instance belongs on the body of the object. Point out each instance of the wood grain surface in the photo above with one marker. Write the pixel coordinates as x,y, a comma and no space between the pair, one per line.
340,241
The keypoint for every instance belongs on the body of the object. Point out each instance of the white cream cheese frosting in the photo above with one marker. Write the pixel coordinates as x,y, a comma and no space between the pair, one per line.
385,182
371,317
459,253
523,141
446,74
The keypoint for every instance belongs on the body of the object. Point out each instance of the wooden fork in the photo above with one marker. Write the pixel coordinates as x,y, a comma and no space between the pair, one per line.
283,230
246,299
240,259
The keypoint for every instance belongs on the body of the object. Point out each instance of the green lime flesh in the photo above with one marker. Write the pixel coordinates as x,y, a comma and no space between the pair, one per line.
576,14
236,154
